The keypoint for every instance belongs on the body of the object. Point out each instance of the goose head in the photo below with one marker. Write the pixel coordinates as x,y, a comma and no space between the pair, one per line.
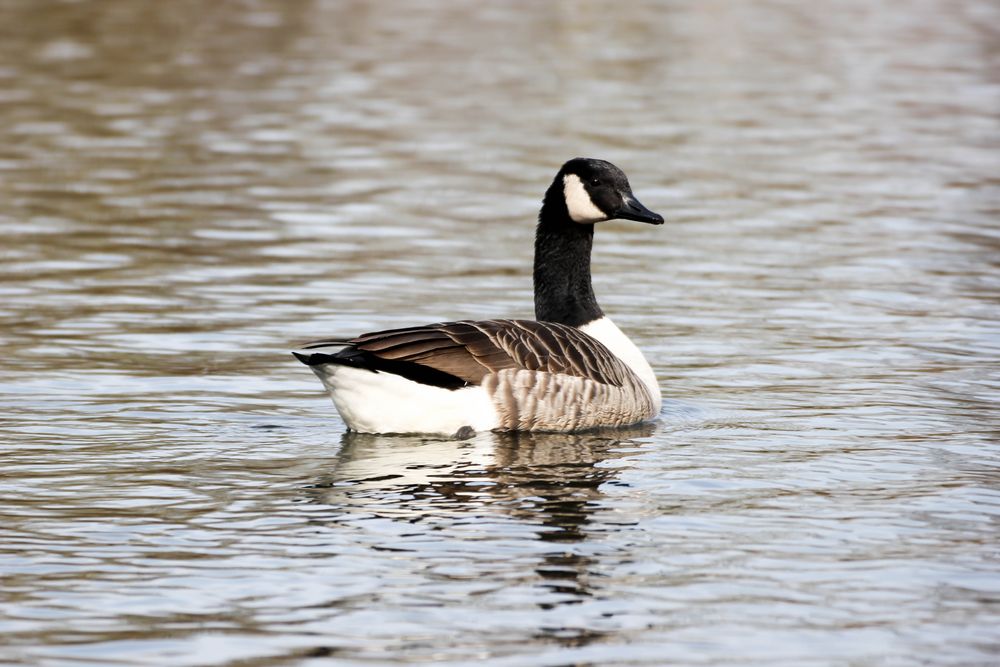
596,190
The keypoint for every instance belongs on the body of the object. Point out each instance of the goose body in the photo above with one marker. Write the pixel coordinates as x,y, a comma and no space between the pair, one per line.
570,370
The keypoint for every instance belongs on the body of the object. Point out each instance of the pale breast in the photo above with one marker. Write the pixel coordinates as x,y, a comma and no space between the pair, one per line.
540,401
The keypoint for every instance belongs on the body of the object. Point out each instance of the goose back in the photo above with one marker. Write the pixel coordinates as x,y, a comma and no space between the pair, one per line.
538,375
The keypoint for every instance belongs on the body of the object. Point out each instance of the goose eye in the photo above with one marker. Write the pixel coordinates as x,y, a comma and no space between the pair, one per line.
595,181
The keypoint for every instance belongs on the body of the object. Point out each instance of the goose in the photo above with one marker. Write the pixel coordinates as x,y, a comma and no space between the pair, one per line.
570,369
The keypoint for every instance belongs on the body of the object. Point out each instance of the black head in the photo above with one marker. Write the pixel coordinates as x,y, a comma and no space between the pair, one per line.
595,190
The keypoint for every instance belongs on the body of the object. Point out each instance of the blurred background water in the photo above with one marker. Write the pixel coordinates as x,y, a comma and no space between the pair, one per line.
189,189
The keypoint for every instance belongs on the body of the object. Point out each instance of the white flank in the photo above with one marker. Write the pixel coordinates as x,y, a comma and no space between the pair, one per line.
386,403
578,202
612,337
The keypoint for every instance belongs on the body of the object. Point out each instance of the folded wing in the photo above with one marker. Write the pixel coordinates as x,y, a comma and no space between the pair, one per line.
463,353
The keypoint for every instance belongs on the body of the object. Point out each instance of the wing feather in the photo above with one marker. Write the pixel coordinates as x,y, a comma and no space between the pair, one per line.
471,350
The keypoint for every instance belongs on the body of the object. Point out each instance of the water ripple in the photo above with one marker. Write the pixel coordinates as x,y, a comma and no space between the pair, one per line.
821,487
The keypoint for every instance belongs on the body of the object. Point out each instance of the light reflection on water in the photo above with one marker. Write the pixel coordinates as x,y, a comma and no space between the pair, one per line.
182,200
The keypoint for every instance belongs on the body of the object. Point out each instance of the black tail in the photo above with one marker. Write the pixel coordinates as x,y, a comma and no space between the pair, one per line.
304,358
351,356
346,357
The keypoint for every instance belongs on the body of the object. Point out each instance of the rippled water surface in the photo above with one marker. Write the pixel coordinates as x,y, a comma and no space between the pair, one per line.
189,189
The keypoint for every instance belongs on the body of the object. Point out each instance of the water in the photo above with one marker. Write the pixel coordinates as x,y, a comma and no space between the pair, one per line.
189,189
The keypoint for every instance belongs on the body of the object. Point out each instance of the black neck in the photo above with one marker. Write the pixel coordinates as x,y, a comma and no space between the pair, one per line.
563,291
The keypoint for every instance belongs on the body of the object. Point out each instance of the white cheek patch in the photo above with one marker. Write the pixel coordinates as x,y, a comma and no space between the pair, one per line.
579,204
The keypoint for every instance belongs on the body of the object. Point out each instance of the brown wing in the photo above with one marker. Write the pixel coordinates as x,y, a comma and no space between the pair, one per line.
470,350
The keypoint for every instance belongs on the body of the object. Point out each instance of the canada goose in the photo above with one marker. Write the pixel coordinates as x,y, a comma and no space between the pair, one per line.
570,370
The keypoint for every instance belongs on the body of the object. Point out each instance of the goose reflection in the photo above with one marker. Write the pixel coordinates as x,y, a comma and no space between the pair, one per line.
550,483
557,481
